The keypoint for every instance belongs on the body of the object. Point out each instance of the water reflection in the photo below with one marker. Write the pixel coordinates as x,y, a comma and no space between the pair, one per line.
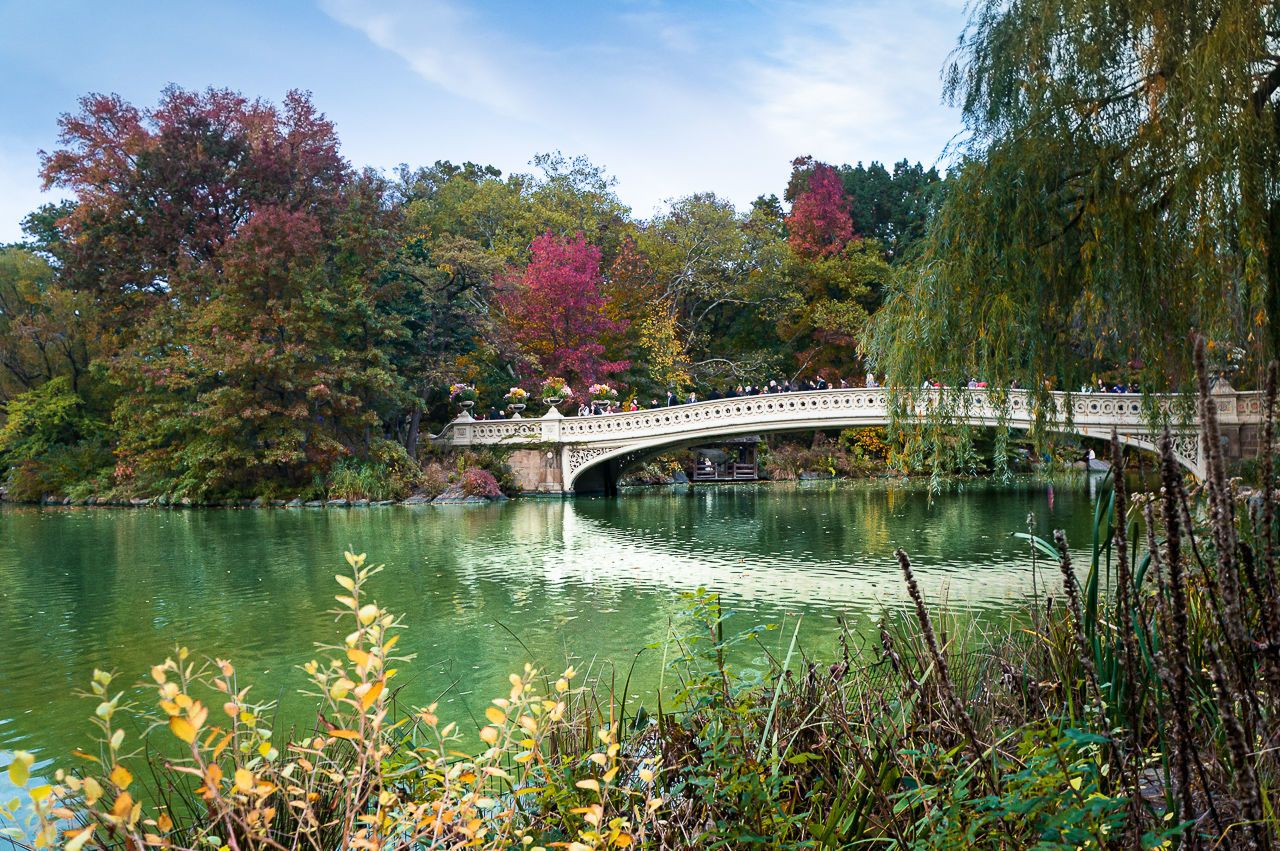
482,588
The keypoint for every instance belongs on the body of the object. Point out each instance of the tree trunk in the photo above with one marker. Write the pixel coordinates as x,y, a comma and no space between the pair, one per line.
411,442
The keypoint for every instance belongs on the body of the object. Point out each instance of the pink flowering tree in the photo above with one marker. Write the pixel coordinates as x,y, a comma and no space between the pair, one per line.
555,310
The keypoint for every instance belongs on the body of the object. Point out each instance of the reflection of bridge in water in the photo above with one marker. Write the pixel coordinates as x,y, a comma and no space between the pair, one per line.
555,454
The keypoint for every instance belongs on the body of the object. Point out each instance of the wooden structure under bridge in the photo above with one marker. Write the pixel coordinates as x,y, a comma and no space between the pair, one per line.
730,460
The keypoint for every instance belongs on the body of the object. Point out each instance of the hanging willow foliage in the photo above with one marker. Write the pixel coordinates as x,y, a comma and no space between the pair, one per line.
1117,188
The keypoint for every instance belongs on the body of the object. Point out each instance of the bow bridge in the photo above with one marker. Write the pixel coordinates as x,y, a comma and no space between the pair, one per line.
557,454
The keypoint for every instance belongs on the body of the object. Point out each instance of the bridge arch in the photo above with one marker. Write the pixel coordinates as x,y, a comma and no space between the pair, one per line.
597,469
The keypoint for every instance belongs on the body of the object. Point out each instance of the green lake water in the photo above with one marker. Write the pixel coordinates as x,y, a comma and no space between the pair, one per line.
587,580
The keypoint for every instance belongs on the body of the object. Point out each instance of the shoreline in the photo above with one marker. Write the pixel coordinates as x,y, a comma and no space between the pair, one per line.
418,500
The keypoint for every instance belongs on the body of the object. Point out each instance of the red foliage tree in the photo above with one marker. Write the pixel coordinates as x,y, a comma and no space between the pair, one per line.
820,224
555,310
162,192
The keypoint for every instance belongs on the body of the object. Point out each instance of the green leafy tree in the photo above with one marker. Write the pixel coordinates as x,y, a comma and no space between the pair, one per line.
828,302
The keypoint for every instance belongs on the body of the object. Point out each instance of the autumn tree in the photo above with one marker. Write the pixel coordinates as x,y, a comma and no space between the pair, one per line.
230,254
555,310
819,223
827,302
160,192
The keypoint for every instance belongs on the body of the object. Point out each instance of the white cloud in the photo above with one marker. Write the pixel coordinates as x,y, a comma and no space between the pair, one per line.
446,45
857,82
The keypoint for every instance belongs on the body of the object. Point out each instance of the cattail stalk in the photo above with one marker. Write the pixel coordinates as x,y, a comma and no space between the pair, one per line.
1124,621
944,673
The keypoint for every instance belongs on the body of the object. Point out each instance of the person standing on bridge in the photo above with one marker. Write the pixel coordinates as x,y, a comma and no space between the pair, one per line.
671,398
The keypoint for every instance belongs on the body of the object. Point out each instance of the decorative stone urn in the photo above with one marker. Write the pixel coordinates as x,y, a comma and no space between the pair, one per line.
516,408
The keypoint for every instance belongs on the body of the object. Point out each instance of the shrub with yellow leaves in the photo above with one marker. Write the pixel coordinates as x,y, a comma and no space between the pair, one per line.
363,780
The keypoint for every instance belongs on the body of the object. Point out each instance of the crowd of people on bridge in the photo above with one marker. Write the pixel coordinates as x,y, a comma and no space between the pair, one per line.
591,407
731,392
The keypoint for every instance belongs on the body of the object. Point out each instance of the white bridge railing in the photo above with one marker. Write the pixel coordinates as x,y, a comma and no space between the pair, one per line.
587,441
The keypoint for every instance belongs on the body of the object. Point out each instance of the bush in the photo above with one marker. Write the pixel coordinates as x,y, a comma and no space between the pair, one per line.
477,482
387,473
41,419
546,766
491,459
435,478
53,445
868,443
788,460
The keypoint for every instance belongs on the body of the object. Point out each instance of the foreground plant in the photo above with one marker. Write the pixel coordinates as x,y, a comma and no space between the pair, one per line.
361,779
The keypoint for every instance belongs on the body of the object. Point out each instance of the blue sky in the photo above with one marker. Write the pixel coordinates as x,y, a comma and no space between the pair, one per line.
669,97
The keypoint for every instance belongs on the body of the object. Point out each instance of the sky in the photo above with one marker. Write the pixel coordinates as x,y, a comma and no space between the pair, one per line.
669,97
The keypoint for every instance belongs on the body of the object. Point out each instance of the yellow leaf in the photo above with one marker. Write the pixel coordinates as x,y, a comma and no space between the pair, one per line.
588,784
92,791
244,780
123,805
368,614
346,582
20,768
197,714
121,777
164,822
495,715
345,734
371,695
182,728
489,735
358,656
1075,782
77,842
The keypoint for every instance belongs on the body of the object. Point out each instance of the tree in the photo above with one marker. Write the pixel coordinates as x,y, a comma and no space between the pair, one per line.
892,207
275,379
231,258
1121,188
555,310
42,325
435,294
160,192
829,300
715,272
819,223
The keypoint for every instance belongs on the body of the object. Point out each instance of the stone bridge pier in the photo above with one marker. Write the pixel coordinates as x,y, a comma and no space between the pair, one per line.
558,455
